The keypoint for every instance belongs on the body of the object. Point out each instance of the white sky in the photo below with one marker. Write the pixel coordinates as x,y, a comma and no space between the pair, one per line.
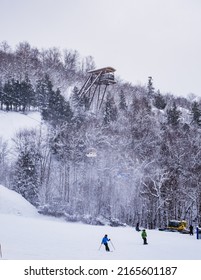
140,38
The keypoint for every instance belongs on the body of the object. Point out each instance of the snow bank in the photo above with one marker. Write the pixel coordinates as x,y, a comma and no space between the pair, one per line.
13,203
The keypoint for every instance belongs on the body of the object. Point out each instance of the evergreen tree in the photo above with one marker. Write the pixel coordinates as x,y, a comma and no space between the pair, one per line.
17,94
173,115
58,110
122,102
67,112
196,113
159,101
110,110
8,95
26,178
27,94
150,87
77,102
1,95
44,89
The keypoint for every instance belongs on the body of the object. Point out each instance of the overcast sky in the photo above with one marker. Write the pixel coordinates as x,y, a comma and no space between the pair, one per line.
139,38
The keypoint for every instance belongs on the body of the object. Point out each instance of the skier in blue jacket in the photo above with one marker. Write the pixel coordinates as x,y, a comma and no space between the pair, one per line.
105,242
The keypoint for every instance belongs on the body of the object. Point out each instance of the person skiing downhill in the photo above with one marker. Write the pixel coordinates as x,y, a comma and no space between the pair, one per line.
144,236
105,242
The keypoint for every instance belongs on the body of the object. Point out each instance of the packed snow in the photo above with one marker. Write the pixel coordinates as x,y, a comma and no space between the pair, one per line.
27,235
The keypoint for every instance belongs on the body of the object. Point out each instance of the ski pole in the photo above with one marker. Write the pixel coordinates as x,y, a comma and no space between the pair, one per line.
112,244
0,251
100,247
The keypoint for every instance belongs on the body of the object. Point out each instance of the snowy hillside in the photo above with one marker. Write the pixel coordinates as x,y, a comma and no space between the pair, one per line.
13,203
12,122
27,235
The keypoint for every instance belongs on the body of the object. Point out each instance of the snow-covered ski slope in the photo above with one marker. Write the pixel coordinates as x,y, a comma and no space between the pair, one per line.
12,122
27,235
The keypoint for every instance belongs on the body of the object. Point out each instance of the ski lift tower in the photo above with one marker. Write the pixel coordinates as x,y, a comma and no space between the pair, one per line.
94,89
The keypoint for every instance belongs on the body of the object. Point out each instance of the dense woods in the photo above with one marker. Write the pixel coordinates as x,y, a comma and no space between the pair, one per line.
147,166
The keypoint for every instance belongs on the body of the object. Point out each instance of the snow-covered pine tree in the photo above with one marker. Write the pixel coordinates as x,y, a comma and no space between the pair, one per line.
44,88
8,95
150,87
110,110
26,180
173,115
159,101
122,101
26,168
27,94
196,113
58,110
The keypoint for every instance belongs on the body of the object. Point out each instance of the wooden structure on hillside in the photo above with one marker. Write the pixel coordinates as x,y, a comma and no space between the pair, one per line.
94,89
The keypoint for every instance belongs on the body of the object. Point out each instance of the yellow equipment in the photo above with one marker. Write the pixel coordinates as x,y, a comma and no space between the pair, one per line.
175,225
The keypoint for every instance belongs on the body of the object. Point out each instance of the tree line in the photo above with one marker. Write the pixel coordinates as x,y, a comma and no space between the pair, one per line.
147,164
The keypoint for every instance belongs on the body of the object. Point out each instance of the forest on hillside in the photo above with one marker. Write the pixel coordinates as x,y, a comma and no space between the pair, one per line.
147,167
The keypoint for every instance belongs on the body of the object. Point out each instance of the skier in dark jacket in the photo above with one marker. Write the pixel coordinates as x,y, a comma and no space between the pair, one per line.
105,242
144,236
137,227
191,230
